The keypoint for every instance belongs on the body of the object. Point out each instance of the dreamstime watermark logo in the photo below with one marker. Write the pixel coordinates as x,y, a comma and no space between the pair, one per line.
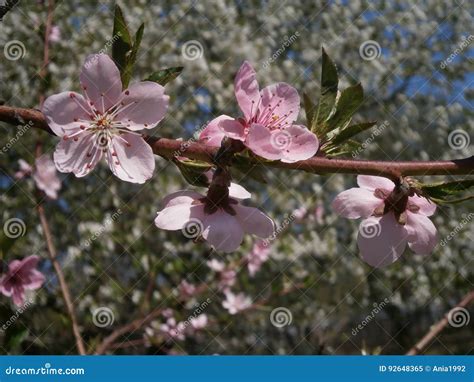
286,222
370,50
458,317
375,133
466,41
192,50
287,42
196,313
103,317
186,144
280,317
281,140
101,140
378,307
22,129
14,50
14,228
192,228
18,312
107,223
466,219
458,139
108,44
370,229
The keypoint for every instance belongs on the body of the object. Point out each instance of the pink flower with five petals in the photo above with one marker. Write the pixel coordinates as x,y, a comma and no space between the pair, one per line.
21,275
104,122
267,127
393,216
222,225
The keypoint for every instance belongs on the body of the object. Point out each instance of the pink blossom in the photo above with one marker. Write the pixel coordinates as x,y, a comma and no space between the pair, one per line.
258,255
104,122
44,174
300,213
235,303
173,329
227,278
222,223
216,265
24,171
199,322
186,289
22,275
267,127
55,34
393,216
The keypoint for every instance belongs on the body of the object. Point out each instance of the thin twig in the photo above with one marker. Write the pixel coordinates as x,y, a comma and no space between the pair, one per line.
170,148
128,328
62,281
437,328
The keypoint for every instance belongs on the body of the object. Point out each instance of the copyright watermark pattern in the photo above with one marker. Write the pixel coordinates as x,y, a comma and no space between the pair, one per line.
192,228
103,317
281,140
370,50
14,228
458,317
14,50
369,229
459,139
192,50
280,317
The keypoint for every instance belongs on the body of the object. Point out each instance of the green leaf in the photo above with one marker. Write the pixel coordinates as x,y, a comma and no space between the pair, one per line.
441,192
122,41
348,103
310,110
348,147
164,76
349,132
132,57
194,172
329,83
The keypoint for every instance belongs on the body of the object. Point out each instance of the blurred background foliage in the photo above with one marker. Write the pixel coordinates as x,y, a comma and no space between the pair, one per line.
314,269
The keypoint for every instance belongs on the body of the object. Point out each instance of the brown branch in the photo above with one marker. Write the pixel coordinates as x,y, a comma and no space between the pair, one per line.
128,328
62,281
169,148
437,328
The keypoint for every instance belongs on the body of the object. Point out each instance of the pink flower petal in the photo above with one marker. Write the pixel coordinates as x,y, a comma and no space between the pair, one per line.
223,231
372,182
381,241
263,142
355,203
233,129
236,191
29,263
18,296
213,134
181,197
254,221
100,79
79,157
247,90
144,105
134,160
62,109
46,177
422,233
175,217
426,207
35,280
280,105
302,144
